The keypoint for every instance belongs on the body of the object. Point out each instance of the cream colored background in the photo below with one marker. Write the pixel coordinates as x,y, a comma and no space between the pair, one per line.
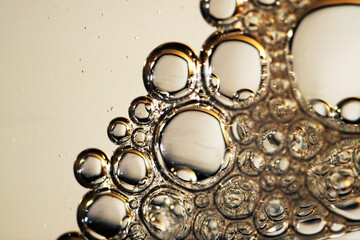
66,69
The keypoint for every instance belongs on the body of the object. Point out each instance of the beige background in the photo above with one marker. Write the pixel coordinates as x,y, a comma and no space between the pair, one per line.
66,69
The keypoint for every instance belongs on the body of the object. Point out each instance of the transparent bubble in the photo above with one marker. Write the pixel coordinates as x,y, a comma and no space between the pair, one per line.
202,200
137,232
310,226
243,229
242,129
130,170
237,197
305,139
193,140
222,9
91,167
140,137
208,226
282,109
119,130
251,162
72,236
103,213
342,179
140,110
271,139
167,214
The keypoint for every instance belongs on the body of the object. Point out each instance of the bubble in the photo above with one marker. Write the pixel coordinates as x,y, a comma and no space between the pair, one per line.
237,64
72,236
342,179
130,170
140,137
166,214
119,130
271,139
282,109
137,232
280,164
140,110
305,139
242,129
320,107
202,200
91,167
237,197
337,227
103,213
267,2
252,21
208,226
222,9
243,229
268,182
185,174
170,71
271,218
193,140
349,109
251,162
310,226
289,184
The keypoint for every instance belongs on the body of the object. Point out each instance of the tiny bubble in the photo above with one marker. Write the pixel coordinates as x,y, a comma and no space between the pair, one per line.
136,38
44,226
82,71
159,11
60,155
49,17
84,27
98,36
102,14
80,59
127,56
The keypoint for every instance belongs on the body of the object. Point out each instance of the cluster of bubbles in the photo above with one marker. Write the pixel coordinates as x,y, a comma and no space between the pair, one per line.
196,160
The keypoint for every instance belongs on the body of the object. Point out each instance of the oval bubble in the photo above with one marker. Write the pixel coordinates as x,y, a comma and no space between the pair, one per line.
91,167
103,214
130,170
170,71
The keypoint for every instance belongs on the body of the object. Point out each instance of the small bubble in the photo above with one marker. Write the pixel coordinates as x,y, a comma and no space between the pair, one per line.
49,17
99,36
80,59
159,11
127,56
85,28
60,155
44,226
102,14
83,71
136,38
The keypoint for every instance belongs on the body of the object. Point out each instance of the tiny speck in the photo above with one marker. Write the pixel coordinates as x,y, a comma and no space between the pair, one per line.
80,59
102,14
84,27
13,139
127,56
60,155
136,38
83,71
44,226
159,11
99,37
49,17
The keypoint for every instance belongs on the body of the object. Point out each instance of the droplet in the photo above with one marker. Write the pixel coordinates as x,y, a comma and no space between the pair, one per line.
166,215
185,174
193,139
310,226
130,170
103,214
91,167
